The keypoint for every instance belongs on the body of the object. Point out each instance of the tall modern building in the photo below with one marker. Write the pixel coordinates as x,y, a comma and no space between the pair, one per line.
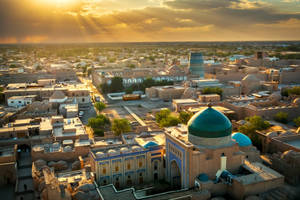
196,64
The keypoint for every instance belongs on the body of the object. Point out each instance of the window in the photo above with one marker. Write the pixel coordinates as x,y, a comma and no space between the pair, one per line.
20,101
140,164
104,182
83,99
117,168
104,171
128,166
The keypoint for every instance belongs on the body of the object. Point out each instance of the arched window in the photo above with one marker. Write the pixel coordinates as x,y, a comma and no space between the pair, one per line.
104,171
140,164
117,168
128,166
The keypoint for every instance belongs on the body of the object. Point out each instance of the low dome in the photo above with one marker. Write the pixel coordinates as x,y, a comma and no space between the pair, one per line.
112,152
99,154
242,139
203,177
209,123
275,96
124,150
136,148
150,144
67,148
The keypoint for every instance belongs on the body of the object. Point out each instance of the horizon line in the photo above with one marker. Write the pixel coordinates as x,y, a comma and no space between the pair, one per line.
124,42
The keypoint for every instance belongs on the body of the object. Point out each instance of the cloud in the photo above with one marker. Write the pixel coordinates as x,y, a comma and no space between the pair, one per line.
179,20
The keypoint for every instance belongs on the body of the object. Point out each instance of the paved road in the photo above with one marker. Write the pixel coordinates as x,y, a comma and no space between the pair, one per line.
25,188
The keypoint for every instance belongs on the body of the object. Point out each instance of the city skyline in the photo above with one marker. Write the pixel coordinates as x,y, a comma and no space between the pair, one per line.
68,21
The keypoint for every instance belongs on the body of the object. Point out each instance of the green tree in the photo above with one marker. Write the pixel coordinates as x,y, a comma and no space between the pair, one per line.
100,106
281,117
105,88
98,132
132,66
98,122
290,91
258,122
253,124
120,126
184,117
212,90
297,121
162,114
116,84
169,121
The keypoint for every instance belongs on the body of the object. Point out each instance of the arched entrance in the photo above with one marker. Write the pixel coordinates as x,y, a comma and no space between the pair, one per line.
175,175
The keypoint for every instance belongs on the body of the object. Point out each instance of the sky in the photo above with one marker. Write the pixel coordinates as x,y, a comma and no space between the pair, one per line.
65,21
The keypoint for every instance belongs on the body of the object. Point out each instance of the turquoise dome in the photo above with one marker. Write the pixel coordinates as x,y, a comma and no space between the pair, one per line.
242,139
209,123
150,144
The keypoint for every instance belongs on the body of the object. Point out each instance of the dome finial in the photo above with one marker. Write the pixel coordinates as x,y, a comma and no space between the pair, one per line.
209,105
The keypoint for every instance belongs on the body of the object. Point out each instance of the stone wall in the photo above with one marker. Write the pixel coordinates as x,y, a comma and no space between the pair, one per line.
56,156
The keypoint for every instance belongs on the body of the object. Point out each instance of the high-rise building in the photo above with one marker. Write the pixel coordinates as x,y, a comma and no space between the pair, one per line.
196,64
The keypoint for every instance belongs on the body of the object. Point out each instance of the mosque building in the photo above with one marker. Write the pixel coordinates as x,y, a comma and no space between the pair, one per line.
205,148
207,152
203,156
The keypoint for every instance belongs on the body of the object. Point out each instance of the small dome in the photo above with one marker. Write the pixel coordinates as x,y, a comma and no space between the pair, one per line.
99,154
150,144
136,148
112,152
124,150
242,139
203,177
67,148
275,96
209,123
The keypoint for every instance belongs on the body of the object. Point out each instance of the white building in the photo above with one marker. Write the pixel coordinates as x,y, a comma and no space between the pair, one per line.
19,101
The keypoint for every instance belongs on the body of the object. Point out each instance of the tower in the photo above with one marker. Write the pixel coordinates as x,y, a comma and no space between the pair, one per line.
196,64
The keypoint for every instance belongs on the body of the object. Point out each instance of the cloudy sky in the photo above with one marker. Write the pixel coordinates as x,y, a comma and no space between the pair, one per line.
48,21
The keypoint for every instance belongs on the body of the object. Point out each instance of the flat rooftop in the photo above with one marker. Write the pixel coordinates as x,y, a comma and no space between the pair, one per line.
259,173
218,108
184,101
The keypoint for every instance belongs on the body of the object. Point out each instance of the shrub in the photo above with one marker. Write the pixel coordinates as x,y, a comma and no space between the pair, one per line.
281,117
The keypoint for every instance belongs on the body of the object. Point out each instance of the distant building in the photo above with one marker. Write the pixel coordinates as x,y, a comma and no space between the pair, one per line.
165,92
196,64
19,101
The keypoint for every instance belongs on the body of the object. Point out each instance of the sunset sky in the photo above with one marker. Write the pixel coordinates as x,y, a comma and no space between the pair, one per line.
52,21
